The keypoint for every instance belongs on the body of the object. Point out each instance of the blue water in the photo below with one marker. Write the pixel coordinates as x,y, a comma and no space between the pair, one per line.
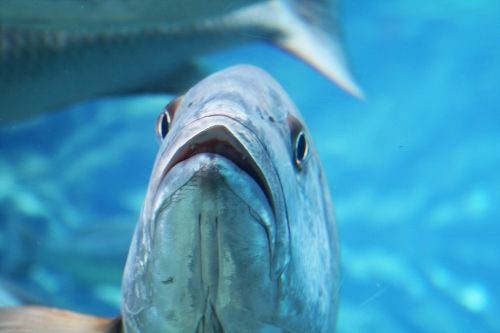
413,170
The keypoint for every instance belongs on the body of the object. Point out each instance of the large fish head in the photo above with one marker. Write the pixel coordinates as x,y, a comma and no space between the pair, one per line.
236,232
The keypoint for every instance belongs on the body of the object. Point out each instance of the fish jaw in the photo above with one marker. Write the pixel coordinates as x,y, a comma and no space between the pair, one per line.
210,261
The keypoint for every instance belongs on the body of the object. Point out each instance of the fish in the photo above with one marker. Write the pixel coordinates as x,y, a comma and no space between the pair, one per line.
55,53
237,231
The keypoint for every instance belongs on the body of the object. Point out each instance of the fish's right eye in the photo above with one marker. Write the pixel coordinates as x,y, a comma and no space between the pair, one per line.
163,125
164,121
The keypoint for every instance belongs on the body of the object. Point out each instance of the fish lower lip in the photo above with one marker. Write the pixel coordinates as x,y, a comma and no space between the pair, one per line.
215,168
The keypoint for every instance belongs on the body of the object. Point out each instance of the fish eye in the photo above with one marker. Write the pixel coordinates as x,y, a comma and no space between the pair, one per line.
165,119
163,125
300,146
301,149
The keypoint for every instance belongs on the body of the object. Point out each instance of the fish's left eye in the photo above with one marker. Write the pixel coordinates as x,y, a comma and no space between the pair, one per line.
301,149
300,146
163,125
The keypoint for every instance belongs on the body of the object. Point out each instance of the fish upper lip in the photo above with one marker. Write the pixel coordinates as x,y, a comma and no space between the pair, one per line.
218,140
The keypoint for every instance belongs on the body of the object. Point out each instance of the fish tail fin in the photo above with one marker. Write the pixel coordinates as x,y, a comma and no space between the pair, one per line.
312,34
309,30
30,319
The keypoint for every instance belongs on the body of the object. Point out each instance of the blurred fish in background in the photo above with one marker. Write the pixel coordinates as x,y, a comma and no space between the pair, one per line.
413,172
62,52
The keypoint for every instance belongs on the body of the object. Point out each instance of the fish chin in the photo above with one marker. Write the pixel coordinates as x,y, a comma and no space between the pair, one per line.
209,266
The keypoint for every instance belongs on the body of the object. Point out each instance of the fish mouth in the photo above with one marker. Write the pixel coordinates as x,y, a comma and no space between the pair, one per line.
218,140
227,137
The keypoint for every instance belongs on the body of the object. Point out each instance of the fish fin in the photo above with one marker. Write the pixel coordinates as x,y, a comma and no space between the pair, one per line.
311,33
30,319
308,29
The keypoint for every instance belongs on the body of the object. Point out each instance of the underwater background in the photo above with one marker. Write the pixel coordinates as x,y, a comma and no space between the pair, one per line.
414,171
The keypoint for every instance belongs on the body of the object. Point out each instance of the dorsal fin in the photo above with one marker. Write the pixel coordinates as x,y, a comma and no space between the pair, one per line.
31,319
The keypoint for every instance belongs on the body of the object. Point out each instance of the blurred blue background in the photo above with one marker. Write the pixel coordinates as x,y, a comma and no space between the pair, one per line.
413,170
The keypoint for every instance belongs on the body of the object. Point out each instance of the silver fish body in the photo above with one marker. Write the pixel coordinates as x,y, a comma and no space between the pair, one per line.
53,53
237,232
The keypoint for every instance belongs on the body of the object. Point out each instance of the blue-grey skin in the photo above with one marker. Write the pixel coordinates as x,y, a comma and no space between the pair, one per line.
57,52
235,235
